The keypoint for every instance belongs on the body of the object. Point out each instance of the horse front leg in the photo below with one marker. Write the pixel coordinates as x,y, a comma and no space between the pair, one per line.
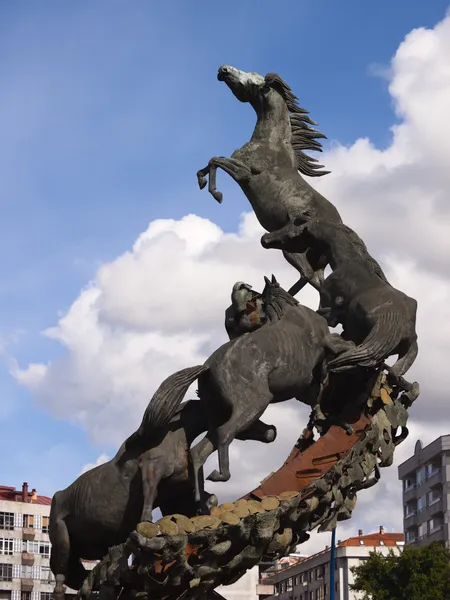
232,166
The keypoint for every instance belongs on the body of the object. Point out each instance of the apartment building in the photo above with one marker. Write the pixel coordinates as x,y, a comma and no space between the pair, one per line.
309,578
425,478
24,545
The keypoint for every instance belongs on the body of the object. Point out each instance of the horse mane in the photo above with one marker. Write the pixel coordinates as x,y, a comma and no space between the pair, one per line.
357,243
275,301
304,137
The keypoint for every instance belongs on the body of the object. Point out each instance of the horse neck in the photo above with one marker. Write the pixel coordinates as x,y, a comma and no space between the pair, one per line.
274,123
277,309
336,245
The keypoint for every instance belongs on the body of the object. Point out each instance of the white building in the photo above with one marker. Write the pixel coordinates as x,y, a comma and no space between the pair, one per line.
24,545
309,578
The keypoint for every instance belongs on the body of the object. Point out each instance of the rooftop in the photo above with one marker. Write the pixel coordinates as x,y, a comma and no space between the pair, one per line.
370,540
13,495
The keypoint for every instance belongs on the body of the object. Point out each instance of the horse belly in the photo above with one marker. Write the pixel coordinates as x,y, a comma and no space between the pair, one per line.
269,200
112,511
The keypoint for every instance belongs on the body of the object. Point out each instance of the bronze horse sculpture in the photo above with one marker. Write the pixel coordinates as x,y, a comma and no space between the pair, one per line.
279,361
268,168
379,319
151,469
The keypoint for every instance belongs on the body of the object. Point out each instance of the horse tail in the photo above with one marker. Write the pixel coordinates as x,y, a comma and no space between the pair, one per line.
165,402
378,345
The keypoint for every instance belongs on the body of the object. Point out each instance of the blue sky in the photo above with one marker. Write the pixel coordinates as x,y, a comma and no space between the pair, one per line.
108,109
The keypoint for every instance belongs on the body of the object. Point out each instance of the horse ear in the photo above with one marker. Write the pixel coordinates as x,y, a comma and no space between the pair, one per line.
274,281
266,280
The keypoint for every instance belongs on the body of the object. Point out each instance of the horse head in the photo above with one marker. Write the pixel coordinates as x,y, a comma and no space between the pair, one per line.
245,86
293,237
274,101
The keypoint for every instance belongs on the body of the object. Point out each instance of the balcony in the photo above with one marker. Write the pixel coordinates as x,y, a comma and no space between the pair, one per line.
435,506
265,589
26,585
28,534
434,478
27,558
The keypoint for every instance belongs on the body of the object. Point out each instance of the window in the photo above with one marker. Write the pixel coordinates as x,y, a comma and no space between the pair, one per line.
5,572
289,585
408,484
42,548
311,595
320,572
435,524
25,595
421,503
6,520
420,476
6,546
410,509
46,574
28,521
45,521
320,593
434,496
46,596
26,572
433,468
310,576
411,535
422,531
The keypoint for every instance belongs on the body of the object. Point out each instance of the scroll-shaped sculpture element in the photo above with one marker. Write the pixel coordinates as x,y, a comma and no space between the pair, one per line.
379,319
268,167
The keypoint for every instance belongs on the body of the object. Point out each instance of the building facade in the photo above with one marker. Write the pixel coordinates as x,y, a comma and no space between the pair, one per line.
24,545
425,478
309,578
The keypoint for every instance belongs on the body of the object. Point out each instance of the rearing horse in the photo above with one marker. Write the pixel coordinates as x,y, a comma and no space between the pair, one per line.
268,167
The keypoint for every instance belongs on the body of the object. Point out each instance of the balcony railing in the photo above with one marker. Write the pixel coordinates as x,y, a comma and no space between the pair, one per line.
410,514
27,558
28,533
26,585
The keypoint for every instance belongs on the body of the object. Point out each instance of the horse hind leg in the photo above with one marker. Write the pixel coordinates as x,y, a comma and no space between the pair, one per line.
60,555
152,471
259,432
405,360
199,454
401,366
238,423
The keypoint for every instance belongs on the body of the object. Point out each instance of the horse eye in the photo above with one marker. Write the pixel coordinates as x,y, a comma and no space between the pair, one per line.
298,221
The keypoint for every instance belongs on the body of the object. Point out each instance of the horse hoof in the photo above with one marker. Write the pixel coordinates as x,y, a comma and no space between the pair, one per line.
218,196
217,476
201,182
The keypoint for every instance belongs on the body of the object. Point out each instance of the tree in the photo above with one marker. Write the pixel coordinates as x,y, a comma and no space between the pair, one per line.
416,574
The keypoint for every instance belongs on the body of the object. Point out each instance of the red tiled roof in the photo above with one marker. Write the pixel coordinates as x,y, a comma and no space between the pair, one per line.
369,540
13,495
374,539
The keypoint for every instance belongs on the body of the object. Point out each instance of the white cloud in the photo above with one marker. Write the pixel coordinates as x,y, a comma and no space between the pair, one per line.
100,461
160,306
